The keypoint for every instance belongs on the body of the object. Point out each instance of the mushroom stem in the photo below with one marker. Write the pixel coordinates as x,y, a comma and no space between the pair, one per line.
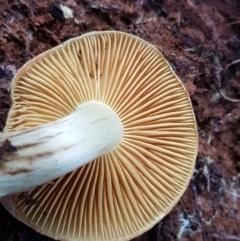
35,156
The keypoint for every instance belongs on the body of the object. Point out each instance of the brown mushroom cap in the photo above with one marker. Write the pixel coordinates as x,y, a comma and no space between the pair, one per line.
122,194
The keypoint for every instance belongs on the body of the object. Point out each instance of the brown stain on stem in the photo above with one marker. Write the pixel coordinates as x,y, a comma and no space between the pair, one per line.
17,171
6,147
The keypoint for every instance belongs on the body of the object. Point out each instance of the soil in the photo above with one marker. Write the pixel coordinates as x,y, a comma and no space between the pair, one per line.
201,40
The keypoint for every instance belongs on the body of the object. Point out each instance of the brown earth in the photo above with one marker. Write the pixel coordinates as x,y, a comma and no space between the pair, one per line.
201,40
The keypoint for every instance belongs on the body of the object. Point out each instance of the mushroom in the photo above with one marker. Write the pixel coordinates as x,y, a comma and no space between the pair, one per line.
100,142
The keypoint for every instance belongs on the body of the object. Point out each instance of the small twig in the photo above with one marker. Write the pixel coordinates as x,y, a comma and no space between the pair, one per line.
232,63
191,4
10,31
32,16
179,17
207,176
224,95
28,7
222,90
54,37
233,23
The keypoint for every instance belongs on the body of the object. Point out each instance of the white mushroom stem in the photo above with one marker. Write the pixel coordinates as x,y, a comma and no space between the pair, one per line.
39,155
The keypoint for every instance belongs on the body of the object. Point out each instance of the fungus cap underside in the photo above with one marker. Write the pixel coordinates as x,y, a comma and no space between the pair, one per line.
122,194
